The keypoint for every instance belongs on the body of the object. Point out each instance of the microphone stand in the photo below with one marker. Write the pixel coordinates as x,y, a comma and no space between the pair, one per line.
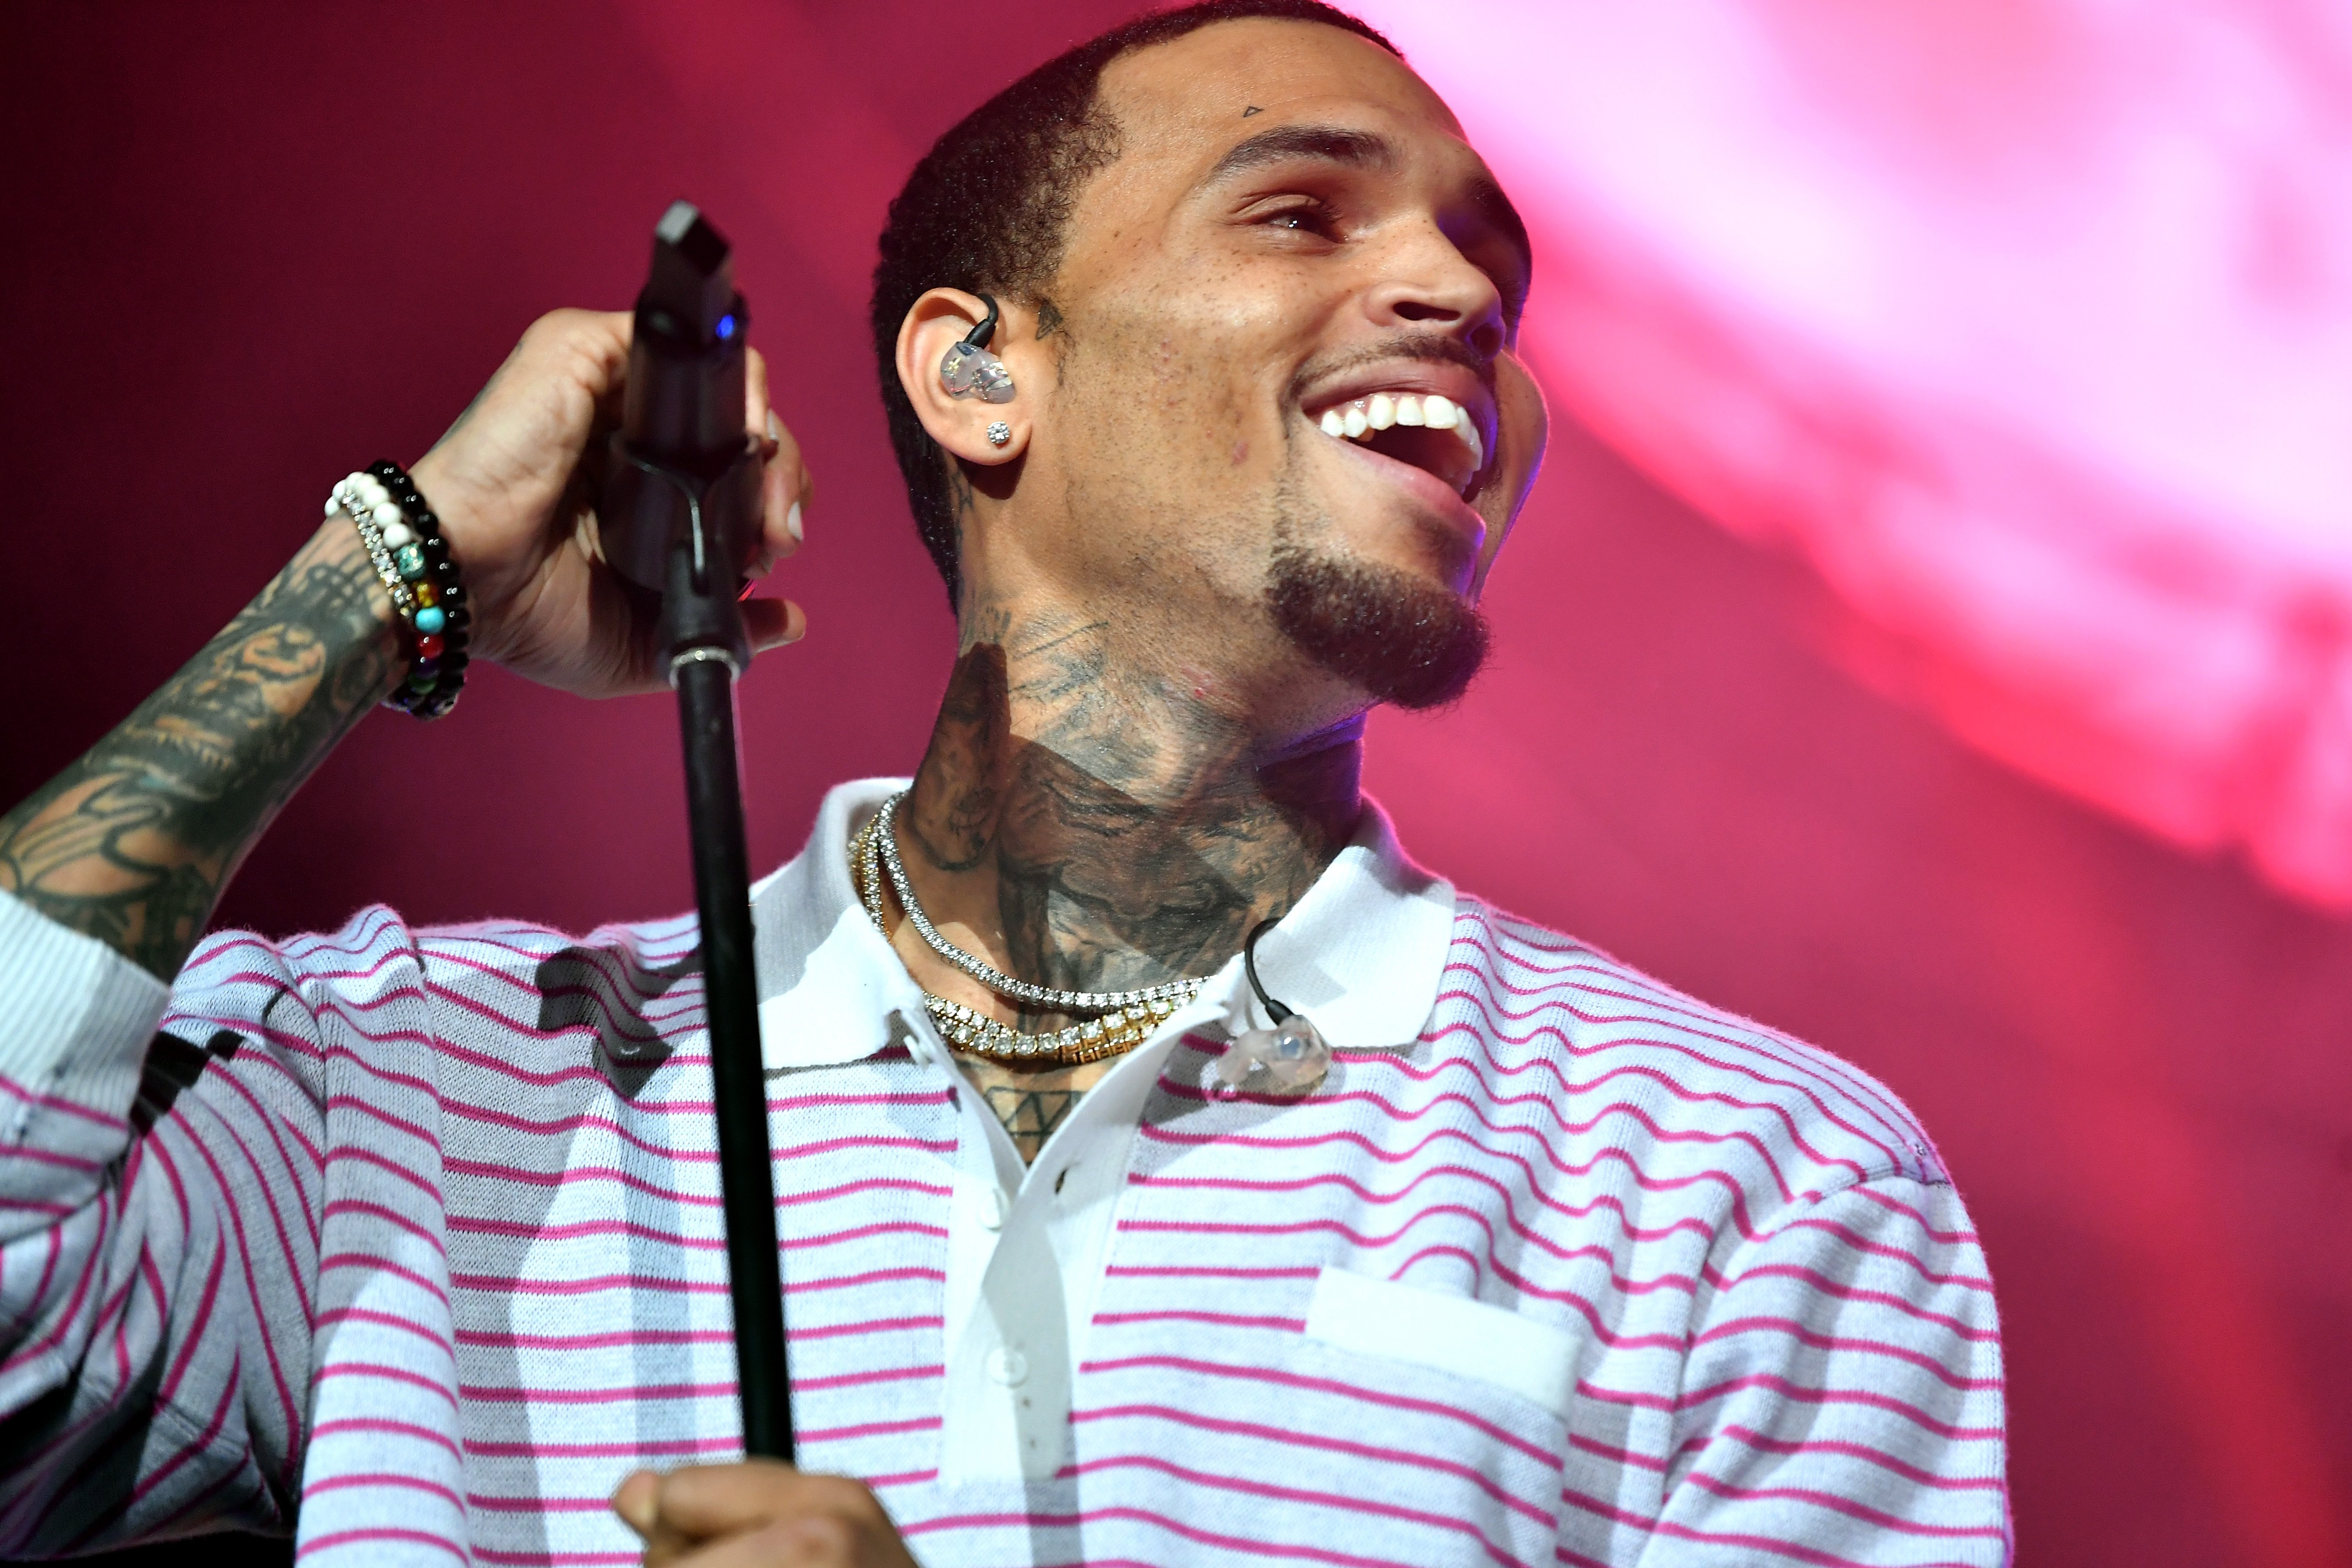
679,515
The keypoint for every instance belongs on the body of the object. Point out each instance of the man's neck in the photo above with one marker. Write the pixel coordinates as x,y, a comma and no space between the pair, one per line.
1094,828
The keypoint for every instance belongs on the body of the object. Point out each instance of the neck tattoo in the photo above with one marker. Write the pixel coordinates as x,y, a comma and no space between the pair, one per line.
1115,1021
1100,836
1031,1093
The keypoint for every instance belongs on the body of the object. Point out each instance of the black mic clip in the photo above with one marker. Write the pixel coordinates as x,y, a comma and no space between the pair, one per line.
679,512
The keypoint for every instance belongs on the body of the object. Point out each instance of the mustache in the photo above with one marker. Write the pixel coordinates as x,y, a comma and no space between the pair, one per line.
1425,348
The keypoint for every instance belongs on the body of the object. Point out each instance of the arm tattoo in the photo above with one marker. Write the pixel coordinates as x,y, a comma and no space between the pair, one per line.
133,843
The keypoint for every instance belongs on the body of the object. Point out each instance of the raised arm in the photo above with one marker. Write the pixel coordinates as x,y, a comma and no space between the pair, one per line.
133,843
159,1192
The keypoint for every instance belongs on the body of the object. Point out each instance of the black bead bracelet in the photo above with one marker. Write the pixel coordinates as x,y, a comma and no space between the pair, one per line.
404,541
437,672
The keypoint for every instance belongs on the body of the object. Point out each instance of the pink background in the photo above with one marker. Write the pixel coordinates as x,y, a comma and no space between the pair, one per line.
250,249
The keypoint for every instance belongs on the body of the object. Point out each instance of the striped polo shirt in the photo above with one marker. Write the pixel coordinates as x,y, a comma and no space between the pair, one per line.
407,1241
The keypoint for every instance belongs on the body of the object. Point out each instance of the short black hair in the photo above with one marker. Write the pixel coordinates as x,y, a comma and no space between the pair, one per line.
987,207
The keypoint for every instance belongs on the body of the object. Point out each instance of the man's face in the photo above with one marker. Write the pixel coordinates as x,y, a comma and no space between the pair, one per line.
1294,238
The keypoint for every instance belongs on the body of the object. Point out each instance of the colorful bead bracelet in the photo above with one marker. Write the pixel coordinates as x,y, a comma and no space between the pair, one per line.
404,542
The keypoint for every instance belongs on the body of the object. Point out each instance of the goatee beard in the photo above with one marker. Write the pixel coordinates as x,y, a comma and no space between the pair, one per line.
1395,636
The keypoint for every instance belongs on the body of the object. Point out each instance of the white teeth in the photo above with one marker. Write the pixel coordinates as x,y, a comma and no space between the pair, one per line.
1352,421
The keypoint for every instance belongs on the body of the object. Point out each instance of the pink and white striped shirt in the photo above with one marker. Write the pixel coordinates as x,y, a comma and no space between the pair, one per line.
407,1241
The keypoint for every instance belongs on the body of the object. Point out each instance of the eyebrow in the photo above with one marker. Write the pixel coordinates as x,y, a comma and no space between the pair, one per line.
1331,144
1364,150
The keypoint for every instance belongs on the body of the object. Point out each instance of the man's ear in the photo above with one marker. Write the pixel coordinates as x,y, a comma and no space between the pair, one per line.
936,323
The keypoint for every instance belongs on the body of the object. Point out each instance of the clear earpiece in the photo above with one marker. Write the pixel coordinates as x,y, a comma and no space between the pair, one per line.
1290,1058
969,370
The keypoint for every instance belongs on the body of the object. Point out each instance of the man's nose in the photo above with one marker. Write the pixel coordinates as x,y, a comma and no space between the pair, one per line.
1431,283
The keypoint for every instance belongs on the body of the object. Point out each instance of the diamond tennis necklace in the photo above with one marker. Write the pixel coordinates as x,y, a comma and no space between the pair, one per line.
1126,1018
979,969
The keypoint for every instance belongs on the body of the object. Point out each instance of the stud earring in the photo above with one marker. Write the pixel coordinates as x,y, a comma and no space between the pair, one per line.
1000,434
969,370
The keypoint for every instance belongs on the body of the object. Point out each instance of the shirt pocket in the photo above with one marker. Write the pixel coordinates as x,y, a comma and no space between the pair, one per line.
1458,1335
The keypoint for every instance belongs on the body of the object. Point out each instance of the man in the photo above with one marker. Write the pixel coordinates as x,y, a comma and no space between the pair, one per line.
416,1230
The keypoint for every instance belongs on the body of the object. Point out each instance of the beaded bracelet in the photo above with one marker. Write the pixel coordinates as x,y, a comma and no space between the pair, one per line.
403,538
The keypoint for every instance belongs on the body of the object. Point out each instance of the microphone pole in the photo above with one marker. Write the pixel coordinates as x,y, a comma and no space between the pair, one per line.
679,515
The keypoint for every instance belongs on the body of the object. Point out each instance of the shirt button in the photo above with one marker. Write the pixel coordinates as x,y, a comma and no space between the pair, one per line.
1010,1368
992,1208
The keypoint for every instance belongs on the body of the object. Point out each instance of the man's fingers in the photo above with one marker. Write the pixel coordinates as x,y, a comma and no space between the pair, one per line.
784,498
637,1501
757,417
712,1499
757,1514
772,623
817,1540
784,481
593,346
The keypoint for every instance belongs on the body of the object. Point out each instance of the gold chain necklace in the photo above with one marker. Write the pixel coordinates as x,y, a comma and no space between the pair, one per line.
1118,1029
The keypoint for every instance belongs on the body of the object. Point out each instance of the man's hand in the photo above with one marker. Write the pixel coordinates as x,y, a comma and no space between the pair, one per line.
758,1514
508,485
132,844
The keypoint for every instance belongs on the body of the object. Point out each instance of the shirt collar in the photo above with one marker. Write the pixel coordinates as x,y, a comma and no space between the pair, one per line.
1361,953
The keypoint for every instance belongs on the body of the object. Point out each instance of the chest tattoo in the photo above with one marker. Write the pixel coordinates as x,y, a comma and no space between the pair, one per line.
1031,1102
1030,1115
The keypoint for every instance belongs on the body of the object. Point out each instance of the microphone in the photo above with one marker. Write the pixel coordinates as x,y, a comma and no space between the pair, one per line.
679,514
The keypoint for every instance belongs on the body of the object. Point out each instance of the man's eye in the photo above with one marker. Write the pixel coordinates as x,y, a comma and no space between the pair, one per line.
1315,219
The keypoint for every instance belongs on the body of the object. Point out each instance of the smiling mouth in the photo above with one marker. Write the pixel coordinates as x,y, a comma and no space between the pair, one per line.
1431,433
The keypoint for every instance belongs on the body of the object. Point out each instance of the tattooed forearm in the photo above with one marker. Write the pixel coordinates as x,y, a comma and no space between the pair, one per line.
133,843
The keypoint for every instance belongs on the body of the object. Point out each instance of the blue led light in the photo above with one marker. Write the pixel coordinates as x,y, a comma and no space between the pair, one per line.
726,326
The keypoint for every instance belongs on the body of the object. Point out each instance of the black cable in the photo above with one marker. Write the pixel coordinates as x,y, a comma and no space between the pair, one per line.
1273,1009
985,328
